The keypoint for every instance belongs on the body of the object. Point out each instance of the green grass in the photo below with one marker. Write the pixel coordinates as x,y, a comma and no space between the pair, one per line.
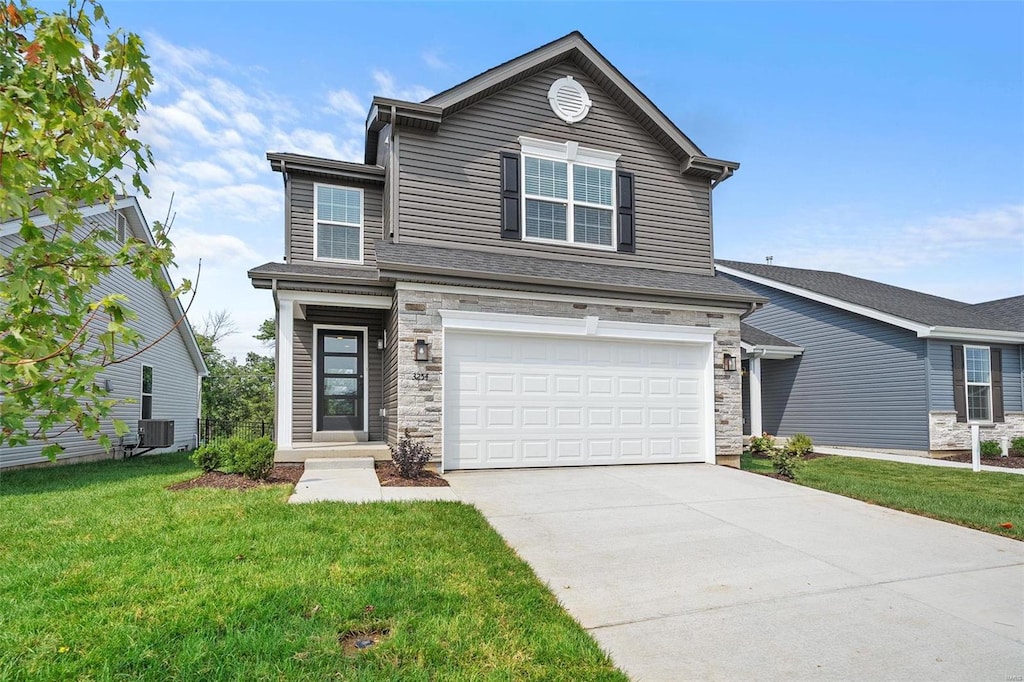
978,500
104,574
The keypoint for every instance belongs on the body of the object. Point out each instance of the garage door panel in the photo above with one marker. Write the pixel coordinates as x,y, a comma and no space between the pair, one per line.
546,401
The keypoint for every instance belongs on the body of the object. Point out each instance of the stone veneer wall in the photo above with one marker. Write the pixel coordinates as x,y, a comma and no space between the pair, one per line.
419,400
946,433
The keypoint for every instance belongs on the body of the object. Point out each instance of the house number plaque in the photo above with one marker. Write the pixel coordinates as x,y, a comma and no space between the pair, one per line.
421,376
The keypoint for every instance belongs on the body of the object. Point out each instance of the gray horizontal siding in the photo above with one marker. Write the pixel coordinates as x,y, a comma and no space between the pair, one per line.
859,382
303,378
450,180
175,377
300,232
940,376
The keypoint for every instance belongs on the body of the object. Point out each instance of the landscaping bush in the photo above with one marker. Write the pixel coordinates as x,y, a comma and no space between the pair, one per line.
409,456
786,462
211,457
800,444
1017,446
762,446
253,459
991,448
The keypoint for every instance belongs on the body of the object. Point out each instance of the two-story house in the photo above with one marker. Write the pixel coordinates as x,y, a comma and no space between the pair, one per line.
521,271
162,382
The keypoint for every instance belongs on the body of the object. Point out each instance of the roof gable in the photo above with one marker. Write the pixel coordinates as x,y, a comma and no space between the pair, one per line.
575,48
927,315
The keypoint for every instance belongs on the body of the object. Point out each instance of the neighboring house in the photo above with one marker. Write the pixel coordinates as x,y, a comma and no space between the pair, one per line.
163,381
863,364
520,272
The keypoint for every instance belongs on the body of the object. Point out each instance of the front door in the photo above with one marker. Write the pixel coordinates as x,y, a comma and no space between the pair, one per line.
341,382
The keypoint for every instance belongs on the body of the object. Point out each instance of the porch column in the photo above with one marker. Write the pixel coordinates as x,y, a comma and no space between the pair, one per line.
754,384
285,360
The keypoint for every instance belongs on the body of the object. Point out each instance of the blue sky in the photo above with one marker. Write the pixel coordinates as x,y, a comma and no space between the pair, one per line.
881,140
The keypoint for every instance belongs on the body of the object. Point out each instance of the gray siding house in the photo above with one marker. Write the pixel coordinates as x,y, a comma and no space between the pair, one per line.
862,364
163,382
520,272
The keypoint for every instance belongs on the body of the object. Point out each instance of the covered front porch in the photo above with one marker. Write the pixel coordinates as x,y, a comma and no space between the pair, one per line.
332,392
756,348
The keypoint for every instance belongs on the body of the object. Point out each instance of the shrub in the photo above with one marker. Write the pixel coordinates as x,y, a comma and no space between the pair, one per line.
253,459
786,461
1017,446
211,457
762,446
991,448
800,444
409,456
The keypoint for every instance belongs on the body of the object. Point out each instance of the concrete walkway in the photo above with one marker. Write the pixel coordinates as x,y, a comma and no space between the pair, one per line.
911,459
696,572
354,480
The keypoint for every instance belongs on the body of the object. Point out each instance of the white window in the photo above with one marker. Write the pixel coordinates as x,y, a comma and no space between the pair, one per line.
568,193
339,224
147,392
978,373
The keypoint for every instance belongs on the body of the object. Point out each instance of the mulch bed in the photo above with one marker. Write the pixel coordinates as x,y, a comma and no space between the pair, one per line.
388,475
280,474
1005,462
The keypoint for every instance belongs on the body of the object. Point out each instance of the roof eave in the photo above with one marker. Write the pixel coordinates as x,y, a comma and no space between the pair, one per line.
285,162
394,270
969,334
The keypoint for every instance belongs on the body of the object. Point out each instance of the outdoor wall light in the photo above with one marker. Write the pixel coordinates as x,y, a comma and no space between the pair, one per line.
108,385
422,351
729,363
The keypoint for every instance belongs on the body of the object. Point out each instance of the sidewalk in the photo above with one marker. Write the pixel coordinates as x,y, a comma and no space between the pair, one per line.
354,480
911,459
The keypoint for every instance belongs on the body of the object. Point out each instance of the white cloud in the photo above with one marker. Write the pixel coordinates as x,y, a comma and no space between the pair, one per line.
318,143
850,243
205,172
432,58
386,87
345,103
214,249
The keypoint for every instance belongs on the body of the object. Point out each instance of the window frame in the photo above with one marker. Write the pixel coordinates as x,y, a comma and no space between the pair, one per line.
142,391
968,384
571,154
317,222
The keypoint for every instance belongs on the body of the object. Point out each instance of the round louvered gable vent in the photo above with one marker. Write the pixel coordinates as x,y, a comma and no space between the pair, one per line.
569,100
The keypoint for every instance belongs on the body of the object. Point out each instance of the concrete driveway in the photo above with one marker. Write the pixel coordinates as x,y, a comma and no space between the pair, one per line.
696,572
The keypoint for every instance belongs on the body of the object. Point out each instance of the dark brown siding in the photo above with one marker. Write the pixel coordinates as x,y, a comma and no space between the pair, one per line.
301,217
305,349
450,181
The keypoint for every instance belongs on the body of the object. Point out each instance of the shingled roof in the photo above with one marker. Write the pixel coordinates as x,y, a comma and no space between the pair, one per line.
914,306
753,336
501,267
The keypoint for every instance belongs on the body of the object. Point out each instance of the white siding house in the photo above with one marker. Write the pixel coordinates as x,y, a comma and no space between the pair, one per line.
176,362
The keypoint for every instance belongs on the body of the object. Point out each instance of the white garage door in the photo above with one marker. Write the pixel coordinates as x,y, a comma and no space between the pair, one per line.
517,400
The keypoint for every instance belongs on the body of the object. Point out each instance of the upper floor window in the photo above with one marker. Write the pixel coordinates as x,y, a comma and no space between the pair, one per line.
568,193
338,224
978,373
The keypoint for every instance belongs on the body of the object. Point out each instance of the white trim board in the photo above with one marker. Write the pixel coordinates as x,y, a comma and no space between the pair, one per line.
591,326
339,300
923,331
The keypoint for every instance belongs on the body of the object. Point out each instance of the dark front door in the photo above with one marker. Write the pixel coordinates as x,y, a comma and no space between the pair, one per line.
341,381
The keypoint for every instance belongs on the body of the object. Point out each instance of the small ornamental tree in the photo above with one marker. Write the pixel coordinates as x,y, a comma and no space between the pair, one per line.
71,90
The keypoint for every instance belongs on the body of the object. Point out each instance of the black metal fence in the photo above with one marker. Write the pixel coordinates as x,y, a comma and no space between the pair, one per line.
214,430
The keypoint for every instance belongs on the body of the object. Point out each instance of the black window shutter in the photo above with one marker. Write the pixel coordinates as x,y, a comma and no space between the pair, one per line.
996,358
959,383
510,211
627,212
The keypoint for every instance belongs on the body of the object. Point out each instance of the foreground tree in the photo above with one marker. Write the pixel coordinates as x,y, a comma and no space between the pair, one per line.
71,91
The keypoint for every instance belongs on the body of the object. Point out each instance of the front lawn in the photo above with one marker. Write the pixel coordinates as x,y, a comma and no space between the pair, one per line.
982,500
104,574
